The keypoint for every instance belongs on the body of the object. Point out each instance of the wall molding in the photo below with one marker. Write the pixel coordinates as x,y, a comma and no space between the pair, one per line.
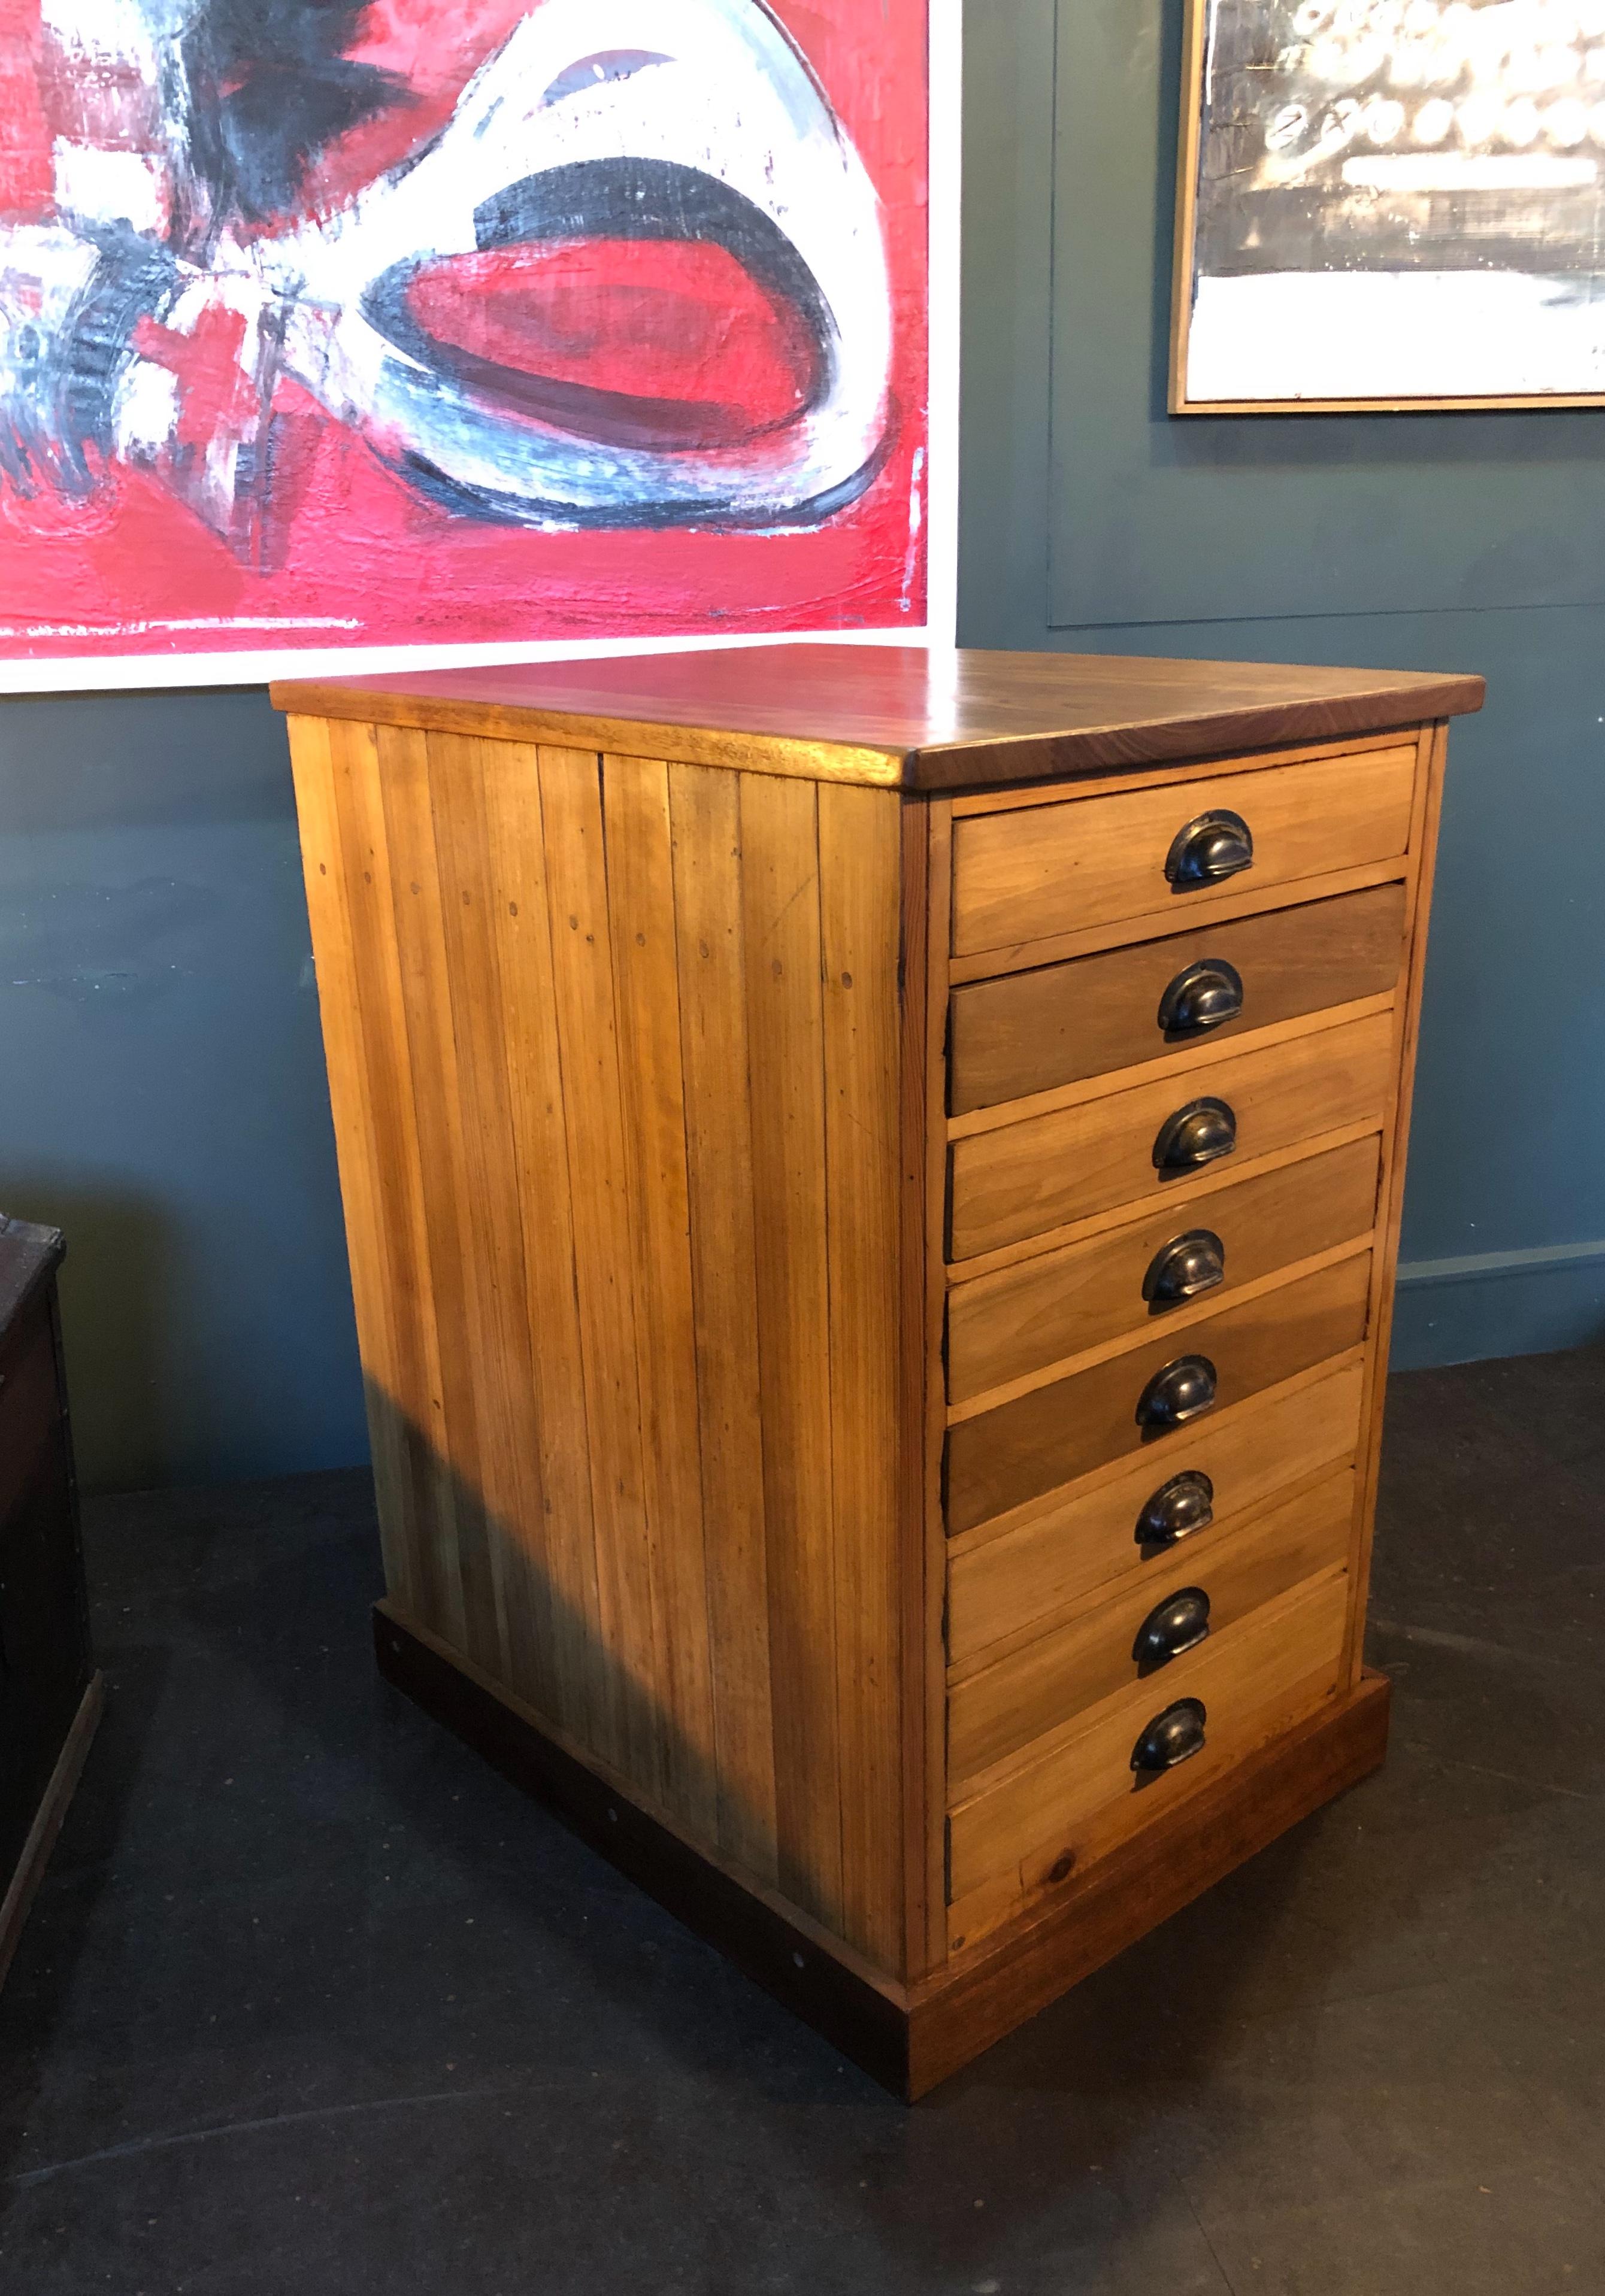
1498,1303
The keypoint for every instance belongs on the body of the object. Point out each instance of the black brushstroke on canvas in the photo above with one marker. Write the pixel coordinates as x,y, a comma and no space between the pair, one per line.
57,411
270,88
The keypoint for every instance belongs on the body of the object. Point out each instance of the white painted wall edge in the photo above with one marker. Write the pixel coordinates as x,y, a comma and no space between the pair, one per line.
130,672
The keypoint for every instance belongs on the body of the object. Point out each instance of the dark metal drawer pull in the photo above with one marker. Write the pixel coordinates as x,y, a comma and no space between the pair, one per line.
1214,847
1185,1268
1196,1134
1180,1623
1174,1736
1177,1509
1183,1390
1204,995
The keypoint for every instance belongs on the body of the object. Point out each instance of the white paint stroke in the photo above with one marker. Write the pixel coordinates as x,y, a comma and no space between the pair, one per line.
1396,334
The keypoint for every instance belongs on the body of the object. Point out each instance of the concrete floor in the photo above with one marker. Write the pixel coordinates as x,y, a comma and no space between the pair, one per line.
312,2005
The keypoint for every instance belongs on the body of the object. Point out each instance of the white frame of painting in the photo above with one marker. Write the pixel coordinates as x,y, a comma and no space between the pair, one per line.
1183,284
127,673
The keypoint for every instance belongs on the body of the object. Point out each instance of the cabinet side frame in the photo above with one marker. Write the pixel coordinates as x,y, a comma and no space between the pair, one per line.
1434,745
926,893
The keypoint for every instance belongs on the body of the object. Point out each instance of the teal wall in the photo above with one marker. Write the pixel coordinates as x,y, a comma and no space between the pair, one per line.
161,1091
1095,522
161,1088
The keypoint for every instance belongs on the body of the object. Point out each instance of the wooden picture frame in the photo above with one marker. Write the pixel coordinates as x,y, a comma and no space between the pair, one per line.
1194,363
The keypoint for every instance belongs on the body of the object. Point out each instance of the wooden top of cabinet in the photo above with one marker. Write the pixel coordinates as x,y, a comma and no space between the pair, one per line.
898,716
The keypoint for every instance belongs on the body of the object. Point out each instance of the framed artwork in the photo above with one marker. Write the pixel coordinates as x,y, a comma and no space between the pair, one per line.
386,332
1390,204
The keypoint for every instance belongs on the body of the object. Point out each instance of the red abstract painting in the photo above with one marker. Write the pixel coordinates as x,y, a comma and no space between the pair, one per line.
505,321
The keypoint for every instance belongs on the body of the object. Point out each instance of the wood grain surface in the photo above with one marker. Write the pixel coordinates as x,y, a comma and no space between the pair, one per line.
898,716
1032,1031
615,1053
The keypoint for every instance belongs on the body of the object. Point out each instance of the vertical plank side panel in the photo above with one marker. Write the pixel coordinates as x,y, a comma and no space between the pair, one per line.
369,1237
860,858
1423,844
536,1112
630,1699
417,1408
710,964
780,900
640,906
415,888
490,1214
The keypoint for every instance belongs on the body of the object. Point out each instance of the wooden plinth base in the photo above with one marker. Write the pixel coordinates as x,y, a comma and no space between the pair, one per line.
908,2038
47,1821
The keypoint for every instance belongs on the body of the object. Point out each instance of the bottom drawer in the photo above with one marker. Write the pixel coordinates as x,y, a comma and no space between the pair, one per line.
1079,1798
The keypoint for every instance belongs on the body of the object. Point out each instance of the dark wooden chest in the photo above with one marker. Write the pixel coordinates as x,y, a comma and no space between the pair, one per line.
49,1691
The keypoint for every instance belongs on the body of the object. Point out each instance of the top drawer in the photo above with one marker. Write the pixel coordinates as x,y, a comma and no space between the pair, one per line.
1027,874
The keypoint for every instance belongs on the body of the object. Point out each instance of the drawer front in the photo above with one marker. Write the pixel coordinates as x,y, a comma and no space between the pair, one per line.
1031,1032
1054,1816
1003,1457
1002,1326
1062,1548
995,1711
1023,875
1048,1171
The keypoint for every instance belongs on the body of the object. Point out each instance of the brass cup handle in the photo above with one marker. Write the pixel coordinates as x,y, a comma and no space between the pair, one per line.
1204,996
1194,1135
1185,1268
1183,1391
1177,1509
1212,847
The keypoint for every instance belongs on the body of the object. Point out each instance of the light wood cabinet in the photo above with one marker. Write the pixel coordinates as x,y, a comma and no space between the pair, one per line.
872,1184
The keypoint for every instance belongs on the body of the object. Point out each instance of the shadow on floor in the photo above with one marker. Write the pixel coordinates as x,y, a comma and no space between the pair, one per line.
312,2000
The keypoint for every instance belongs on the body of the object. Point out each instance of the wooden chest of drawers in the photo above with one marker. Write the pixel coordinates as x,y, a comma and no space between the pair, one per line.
872,1184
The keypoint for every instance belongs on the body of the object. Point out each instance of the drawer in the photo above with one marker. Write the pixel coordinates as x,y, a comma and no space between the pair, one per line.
1022,875
997,1708
1002,1457
1053,1816
1030,1032
1048,1171
1021,1318
1059,1549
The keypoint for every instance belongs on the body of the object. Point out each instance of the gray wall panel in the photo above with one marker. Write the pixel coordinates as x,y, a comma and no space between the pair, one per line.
165,1100
1239,517
1440,542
